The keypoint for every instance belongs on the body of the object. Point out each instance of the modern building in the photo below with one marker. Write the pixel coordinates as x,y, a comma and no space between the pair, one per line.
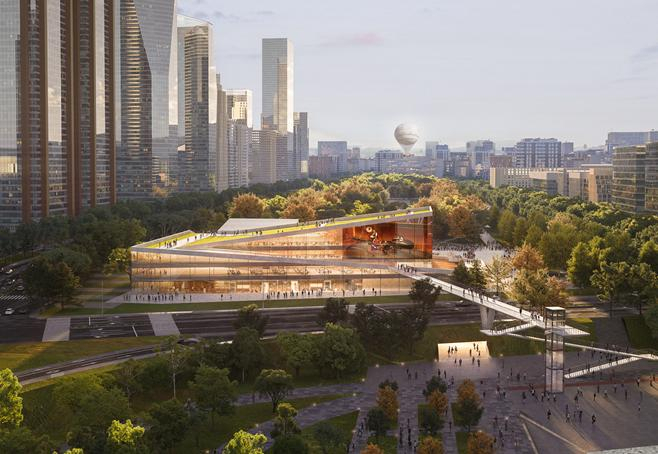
222,165
59,109
337,149
323,167
635,178
278,83
437,150
540,153
263,166
351,255
629,139
149,103
300,149
238,137
239,106
478,153
197,107
500,161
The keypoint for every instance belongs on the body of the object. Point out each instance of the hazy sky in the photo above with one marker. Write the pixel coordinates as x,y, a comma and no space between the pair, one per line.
459,69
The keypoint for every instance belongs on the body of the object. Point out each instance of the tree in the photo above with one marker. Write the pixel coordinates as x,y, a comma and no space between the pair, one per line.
275,384
298,350
284,421
478,279
612,281
246,351
461,275
581,265
462,223
556,244
328,436
527,258
339,351
250,317
506,225
50,281
245,443
497,272
430,420
435,383
649,254
334,311
119,261
377,422
388,384
214,391
408,325
387,400
247,206
537,289
125,438
430,445
169,424
480,443
21,440
644,283
177,356
127,377
289,444
372,449
11,403
424,292
533,236
79,262
468,409
438,401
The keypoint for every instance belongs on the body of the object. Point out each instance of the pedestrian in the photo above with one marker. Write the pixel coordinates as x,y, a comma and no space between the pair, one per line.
593,418
548,414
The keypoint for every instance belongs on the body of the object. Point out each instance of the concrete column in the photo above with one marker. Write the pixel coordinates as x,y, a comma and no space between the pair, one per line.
488,316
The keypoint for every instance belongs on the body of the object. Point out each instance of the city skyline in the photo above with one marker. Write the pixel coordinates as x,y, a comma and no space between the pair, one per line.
585,83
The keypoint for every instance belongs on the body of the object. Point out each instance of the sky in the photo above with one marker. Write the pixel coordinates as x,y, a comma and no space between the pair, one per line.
459,69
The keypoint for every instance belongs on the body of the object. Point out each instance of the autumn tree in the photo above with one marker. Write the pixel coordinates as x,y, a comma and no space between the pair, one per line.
372,449
247,206
463,223
537,289
497,272
527,258
430,445
468,409
438,401
480,443
387,400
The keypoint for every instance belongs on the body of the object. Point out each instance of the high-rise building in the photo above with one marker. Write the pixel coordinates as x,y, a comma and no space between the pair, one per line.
629,139
264,154
222,164
278,79
58,107
197,106
542,153
239,136
239,106
147,72
478,152
337,148
300,149
635,178
437,150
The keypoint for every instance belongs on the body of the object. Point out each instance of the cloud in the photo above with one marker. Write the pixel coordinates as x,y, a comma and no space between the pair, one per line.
369,39
648,53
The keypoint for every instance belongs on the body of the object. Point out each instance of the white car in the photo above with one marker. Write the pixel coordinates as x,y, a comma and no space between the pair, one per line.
9,271
9,311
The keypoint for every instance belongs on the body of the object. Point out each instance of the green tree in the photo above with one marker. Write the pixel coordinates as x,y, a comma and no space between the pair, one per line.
468,409
651,318
506,226
649,254
497,272
556,245
290,444
328,436
127,376
177,356
79,262
125,438
612,281
11,402
339,351
430,420
284,421
50,281
169,424
245,443
581,265
298,350
214,391
537,289
275,384
377,422
21,440
643,281
119,261
424,292
246,351
250,317
335,310
461,275
520,231
478,279
435,383
533,235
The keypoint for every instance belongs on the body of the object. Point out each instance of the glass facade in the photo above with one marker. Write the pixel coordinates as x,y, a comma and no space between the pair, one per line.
278,72
353,259
628,180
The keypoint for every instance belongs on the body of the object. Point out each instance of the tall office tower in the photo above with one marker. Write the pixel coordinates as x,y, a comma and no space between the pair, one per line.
635,178
264,153
222,162
478,152
278,78
239,106
197,106
336,148
147,69
300,149
629,139
543,153
437,150
57,114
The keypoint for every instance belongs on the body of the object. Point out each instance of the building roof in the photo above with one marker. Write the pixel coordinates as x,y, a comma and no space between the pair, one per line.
234,224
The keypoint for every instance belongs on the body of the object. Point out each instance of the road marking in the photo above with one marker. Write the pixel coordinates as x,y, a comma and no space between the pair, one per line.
57,329
163,325
556,435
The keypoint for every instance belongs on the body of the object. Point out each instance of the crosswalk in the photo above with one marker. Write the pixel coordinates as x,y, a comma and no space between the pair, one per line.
13,298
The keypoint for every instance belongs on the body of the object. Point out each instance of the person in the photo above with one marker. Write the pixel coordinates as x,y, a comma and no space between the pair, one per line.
593,418
548,414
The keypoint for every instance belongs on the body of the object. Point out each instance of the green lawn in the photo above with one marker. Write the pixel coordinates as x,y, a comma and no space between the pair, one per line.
462,440
344,423
388,444
245,417
639,334
25,356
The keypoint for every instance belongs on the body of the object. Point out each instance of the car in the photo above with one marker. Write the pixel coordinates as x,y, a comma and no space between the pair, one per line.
9,271
20,288
189,341
9,311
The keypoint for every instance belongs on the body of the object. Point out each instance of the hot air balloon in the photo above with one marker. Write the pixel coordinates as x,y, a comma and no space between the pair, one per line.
407,135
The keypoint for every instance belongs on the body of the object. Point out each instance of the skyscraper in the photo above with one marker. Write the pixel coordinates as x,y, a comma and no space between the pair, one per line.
58,107
264,153
300,150
197,106
239,106
278,79
221,169
479,152
148,95
542,153
635,178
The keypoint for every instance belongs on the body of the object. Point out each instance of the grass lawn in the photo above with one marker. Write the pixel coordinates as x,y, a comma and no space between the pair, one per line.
344,423
639,333
245,417
388,444
24,356
462,440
